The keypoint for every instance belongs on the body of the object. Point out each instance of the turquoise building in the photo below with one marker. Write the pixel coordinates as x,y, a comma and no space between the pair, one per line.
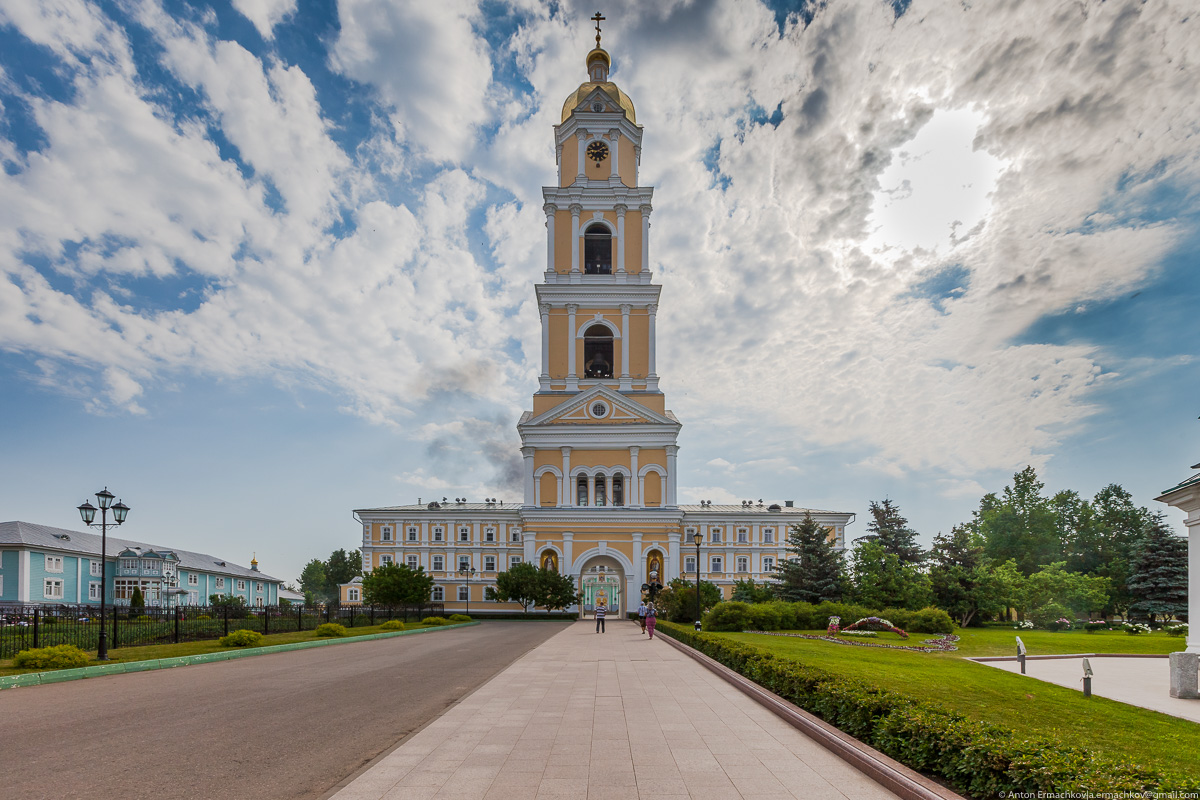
41,564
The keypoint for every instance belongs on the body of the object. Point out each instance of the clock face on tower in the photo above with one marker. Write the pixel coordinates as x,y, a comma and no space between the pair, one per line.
597,151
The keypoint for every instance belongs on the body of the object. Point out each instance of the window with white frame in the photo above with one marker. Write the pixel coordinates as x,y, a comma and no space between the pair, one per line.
412,561
714,535
717,564
241,586
689,564
438,594
193,579
352,595
193,598
489,563
54,564
439,534
464,562
412,534
515,536
94,568
464,534
94,590
53,589
220,583
768,564
743,564
743,536
258,601
385,533
258,587
385,559
513,561
1,584
439,563
464,593
129,563
768,536
489,534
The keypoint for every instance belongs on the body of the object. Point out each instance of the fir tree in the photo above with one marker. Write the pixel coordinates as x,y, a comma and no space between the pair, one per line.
1159,572
813,570
888,528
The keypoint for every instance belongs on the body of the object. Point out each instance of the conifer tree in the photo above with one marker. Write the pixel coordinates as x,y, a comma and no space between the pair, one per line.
1158,572
889,529
813,571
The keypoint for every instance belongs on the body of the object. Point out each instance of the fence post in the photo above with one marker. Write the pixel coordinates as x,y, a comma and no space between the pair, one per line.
37,616
113,644
178,614
266,620
225,617
299,618
372,614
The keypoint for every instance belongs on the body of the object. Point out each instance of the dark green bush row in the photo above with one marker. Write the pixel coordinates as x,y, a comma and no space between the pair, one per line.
778,615
978,759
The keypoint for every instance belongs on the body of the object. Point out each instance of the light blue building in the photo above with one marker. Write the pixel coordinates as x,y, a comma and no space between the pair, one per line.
40,564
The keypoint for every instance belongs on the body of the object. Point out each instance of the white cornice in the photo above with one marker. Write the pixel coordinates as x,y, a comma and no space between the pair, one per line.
597,195
604,294
577,515
598,123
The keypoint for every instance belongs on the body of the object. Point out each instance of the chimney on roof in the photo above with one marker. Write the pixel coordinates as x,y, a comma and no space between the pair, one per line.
787,503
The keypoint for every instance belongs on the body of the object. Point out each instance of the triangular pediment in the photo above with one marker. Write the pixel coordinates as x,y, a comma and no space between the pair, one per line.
600,405
598,95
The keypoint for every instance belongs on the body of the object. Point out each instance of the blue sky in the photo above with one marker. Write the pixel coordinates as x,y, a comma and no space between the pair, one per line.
267,261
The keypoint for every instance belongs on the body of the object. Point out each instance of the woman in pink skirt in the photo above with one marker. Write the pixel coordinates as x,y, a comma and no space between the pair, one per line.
651,619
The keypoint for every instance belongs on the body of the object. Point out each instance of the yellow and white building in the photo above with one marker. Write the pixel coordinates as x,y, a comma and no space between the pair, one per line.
600,446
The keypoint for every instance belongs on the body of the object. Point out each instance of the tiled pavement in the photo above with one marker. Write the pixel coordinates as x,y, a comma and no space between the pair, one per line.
609,716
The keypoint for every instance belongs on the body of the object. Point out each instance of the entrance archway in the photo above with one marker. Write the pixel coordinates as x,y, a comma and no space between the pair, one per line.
603,577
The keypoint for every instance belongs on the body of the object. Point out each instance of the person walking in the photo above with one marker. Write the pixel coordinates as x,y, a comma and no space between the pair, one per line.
651,619
601,610
642,616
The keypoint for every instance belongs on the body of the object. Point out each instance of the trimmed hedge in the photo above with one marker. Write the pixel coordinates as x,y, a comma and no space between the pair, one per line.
60,656
459,618
392,625
435,621
241,638
978,759
331,629
778,615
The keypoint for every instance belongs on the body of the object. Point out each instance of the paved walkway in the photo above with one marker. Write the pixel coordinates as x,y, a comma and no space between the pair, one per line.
1144,682
610,716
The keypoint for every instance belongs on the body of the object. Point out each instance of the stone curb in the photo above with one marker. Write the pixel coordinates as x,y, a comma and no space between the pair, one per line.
63,675
985,659
884,770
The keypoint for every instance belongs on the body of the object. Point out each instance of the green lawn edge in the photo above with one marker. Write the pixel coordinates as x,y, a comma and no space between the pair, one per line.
118,668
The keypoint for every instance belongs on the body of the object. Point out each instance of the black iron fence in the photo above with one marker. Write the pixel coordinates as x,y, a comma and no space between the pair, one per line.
26,626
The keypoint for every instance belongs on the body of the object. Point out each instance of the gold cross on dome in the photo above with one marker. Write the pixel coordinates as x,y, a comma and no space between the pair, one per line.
598,20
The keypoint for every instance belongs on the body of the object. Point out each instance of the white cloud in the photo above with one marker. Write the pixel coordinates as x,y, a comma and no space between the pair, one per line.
265,14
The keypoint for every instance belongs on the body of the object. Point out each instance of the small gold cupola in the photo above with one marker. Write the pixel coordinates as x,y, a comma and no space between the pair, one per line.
599,64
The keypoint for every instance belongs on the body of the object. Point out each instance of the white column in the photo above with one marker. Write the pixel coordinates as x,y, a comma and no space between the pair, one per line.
576,210
620,244
615,138
529,540
544,378
568,489
672,562
652,377
591,484
568,554
672,451
1193,525
550,208
639,567
581,140
572,378
626,384
645,209
527,453
634,497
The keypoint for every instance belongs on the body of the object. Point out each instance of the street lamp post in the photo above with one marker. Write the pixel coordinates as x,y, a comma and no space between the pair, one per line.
88,512
468,573
697,538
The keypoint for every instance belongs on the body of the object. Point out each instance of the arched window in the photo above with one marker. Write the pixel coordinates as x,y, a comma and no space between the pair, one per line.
597,352
601,491
597,251
581,491
618,490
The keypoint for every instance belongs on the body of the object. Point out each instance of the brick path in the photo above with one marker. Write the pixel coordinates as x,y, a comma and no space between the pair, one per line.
612,716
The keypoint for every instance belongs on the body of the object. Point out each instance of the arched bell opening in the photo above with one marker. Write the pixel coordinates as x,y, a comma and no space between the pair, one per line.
598,352
597,251
601,490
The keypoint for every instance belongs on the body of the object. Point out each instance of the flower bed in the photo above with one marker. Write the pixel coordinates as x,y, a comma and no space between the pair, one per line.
976,758
875,623
939,644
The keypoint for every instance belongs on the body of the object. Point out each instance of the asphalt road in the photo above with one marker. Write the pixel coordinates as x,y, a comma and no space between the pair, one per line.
288,725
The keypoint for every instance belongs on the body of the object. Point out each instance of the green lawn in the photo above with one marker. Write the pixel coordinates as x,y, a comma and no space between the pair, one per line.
151,652
1022,704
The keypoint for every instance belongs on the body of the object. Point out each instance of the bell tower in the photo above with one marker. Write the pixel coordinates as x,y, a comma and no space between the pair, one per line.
598,309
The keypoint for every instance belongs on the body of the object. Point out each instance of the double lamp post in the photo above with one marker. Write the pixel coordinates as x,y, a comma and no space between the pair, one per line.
88,512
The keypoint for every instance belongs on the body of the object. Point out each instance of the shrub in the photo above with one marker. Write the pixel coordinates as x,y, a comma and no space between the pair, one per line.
730,615
1096,625
241,638
60,656
976,758
1048,616
787,614
392,625
204,616
1177,630
331,629
1135,628
764,617
459,618
435,621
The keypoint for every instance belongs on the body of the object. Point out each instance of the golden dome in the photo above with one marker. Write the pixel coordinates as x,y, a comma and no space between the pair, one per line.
576,97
